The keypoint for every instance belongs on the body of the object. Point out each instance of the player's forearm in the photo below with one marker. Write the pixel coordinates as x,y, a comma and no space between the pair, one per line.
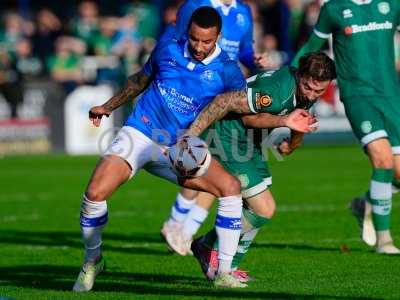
264,120
135,85
218,108
296,139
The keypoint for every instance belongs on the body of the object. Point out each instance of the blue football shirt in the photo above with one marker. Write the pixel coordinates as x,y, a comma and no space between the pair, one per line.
181,87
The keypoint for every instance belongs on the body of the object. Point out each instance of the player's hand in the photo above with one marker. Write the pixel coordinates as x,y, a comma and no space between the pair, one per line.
284,147
261,60
302,121
96,113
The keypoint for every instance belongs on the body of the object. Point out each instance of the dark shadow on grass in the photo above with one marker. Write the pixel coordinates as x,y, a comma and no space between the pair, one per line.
130,243
58,278
303,247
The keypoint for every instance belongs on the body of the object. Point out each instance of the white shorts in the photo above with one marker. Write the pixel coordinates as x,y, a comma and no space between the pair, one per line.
139,152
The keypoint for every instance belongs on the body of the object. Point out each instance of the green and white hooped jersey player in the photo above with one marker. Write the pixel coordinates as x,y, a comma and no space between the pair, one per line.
362,33
237,147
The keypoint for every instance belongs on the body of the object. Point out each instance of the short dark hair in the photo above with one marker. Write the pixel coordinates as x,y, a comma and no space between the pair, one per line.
206,17
318,66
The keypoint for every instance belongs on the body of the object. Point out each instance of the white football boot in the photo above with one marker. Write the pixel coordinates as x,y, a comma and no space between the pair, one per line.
362,210
88,274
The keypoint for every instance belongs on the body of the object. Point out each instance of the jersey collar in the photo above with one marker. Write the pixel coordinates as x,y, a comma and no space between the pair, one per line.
208,59
361,2
225,9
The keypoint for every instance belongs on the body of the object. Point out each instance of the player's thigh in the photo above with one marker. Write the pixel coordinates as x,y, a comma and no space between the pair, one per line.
139,151
366,119
216,181
134,147
262,204
392,123
205,200
109,174
253,175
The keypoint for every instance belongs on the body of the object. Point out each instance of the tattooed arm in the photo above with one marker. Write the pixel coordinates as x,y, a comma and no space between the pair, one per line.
135,85
218,108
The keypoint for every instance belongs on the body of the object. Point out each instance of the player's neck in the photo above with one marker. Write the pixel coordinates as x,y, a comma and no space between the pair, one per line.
226,2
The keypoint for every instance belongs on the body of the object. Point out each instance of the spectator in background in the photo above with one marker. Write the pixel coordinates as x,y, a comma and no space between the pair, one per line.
86,25
306,26
108,70
276,58
146,16
9,80
48,29
275,17
28,66
102,40
126,43
64,65
15,28
296,14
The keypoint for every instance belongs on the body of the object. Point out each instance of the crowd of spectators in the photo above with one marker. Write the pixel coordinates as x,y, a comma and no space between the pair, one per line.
95,44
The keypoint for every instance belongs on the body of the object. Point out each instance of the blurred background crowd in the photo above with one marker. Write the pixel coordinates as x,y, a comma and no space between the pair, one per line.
73,43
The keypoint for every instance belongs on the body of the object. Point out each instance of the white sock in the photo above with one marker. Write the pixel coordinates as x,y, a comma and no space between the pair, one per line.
93,218
228,225
193,221
180,209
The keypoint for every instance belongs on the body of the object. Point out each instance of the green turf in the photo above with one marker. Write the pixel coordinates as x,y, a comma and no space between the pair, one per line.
297,256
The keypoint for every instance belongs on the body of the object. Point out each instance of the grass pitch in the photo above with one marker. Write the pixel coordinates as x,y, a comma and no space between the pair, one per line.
311,250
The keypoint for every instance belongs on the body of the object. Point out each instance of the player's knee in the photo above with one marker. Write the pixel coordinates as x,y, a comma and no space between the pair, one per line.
381,154
267,210
231,187
95,193
383,162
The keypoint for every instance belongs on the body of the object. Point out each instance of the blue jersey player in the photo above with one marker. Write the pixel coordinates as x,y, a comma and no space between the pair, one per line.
178,81
190,208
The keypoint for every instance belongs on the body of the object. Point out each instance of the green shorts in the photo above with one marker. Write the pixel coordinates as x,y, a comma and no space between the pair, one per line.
373,118
249,167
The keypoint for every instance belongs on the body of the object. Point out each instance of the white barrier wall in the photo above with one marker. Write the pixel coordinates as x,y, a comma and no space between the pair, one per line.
81,136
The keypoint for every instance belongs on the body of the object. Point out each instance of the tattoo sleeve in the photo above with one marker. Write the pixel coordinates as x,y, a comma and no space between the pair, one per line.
218,108
135,85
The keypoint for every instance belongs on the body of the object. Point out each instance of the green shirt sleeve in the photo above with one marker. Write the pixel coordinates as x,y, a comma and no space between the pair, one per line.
324,26
271,91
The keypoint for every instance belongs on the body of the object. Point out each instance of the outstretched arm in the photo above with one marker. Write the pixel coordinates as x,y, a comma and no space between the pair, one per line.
135,85
218,108
299,120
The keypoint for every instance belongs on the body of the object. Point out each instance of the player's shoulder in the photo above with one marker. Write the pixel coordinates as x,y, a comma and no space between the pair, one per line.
194,4
244,7
168,47
281,74
335,5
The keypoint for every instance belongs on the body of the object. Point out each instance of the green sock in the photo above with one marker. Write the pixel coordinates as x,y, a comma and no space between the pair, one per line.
380,197
255,222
